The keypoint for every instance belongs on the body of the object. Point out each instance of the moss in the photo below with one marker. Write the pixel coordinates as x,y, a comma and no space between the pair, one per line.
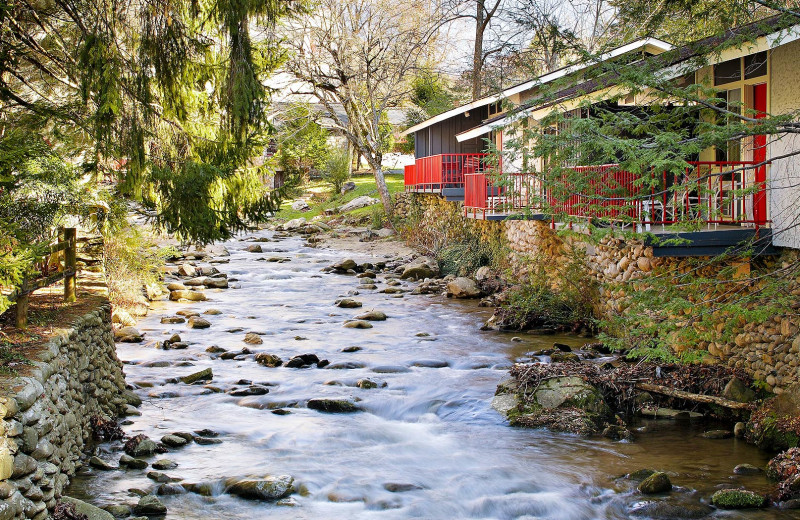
737,499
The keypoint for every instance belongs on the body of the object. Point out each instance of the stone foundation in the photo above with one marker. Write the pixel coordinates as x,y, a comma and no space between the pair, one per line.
46,414
770,350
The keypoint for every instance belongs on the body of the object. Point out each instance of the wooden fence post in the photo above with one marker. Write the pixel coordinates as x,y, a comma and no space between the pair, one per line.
70,263
21,321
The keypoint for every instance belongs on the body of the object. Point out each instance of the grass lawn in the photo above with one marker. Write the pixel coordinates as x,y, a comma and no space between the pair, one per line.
323,199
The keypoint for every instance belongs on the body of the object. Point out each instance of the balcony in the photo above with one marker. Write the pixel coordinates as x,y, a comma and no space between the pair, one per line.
443,174
727,199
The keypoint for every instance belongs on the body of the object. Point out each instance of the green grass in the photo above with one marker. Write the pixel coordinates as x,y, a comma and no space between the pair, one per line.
365,185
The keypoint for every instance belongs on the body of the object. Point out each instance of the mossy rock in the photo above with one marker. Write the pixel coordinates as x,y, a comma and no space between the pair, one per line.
658,482
737,499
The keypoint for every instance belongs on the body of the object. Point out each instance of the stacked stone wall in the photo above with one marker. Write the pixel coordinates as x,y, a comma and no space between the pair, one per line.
45,427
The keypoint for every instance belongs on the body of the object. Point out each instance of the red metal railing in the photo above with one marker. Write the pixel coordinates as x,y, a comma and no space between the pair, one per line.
409,176
443,171
507,194
713,192
708,192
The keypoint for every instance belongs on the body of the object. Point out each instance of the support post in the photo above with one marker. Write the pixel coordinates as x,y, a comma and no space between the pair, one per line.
70,263
21,318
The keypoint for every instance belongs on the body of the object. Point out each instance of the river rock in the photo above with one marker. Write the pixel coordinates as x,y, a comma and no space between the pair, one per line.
140,446
736,390
149,505
128,335
98,463
187,270
667,510
170,490
357,324
199,323
254,248
164,464
172,320
717,434
357,203
248,391
187,313
216,283
367,384
420,269
174,441
346,365
91,512
332,405
747,469
118,510
294,224
656,483
215,349
300,205
351,349
267,488
193,296
251,338
463,287
268,360
372,315
430,363
399,487
132,463
348,303
737,499
203,375
564,357
303,361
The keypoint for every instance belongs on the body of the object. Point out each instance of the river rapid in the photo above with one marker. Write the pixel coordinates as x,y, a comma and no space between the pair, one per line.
427,445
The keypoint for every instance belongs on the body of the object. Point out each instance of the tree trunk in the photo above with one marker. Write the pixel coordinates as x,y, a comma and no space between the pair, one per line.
698,398
477,54
380,182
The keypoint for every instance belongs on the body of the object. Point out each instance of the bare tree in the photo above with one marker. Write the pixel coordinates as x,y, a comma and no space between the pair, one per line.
356,58
483,13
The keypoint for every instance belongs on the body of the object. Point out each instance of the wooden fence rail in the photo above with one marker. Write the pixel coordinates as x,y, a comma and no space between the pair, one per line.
68,243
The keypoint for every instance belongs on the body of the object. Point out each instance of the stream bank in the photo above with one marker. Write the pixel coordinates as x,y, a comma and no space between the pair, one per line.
422,441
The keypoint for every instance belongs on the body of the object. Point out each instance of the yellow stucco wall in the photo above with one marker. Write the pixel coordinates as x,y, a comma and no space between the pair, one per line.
784,174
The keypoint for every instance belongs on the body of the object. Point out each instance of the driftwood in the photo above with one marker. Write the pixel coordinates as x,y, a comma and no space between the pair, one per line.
699,398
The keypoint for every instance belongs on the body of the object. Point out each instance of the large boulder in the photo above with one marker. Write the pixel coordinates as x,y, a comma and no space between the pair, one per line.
773,426
128,335
658,482
562,403
420,269
267,488
294,224
463,287
91,512
737,499
358,202
149,505
300,205
333,405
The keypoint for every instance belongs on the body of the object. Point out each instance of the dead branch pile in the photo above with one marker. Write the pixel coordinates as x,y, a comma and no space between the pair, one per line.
679,386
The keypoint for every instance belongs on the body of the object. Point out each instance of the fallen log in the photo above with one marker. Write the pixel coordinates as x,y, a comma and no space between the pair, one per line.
699,398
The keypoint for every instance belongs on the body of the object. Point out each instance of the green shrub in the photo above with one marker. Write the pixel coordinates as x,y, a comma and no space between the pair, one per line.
131,261
337,170
377,216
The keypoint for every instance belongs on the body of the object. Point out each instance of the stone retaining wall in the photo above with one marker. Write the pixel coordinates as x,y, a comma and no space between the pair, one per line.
770,350
45,427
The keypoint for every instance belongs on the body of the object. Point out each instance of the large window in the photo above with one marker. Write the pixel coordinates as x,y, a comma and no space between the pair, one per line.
737,78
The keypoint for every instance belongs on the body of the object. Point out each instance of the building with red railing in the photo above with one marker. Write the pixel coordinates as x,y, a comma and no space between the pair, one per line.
750,189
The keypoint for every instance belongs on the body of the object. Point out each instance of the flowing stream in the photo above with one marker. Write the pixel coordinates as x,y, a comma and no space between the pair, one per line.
427,445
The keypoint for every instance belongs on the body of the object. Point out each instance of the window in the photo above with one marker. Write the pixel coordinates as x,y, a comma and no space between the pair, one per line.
755,65
749,67
727,72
